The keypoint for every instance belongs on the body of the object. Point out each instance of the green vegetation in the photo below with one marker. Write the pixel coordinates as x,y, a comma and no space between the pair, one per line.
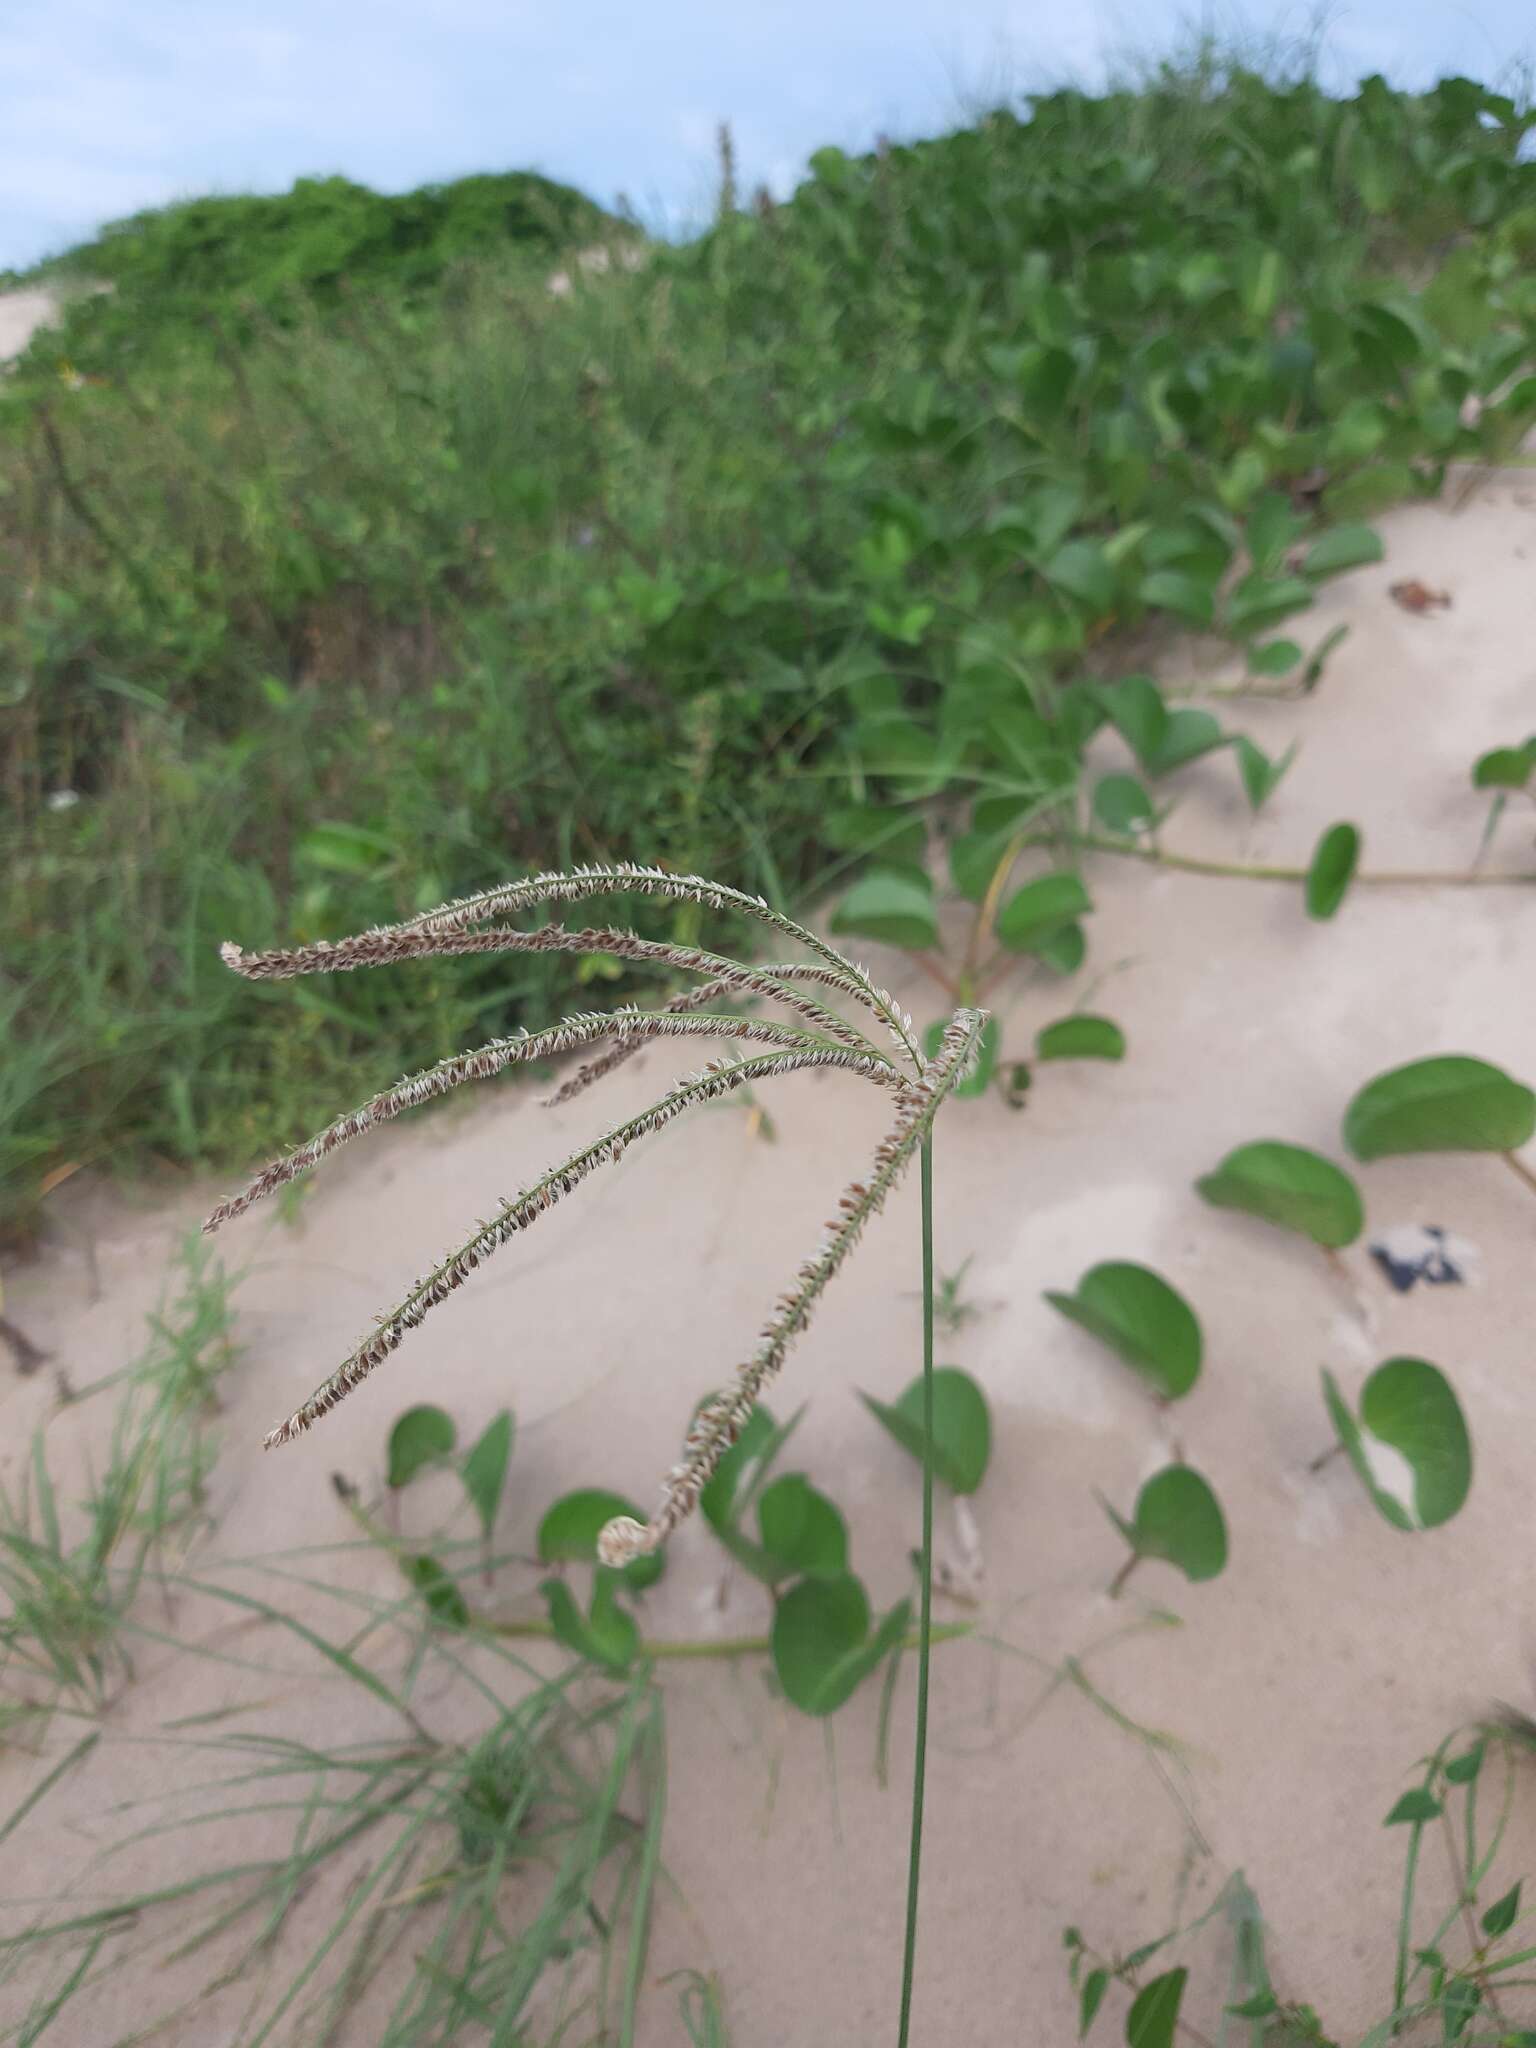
368,596
499,1882
356,570
69,1573
1455,1975
207,274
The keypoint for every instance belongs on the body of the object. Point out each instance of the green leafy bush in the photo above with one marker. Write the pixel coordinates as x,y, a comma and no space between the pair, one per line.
406,574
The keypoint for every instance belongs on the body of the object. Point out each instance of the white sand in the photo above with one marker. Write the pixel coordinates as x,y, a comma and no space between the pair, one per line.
21,314
1306,1682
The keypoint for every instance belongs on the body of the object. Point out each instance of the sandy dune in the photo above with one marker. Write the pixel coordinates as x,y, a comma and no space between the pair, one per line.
21,314
1305,1683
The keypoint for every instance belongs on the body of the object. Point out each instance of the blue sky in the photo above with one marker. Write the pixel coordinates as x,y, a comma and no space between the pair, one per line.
107,106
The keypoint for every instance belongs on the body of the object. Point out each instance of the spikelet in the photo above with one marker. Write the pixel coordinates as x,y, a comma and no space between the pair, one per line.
819,1038
384,945
722,1418
494,1058
715,1079
625,878
629,1043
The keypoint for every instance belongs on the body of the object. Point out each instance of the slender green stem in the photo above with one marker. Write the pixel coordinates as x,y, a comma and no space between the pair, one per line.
925,1621
981,924
1117,1583
1449,878
936,973
666,1648
1277,693
1520,1170
1466,1899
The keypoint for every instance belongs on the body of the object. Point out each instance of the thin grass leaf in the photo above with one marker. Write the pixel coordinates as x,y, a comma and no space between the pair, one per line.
41,2020
347,1665
40,1791
649,1862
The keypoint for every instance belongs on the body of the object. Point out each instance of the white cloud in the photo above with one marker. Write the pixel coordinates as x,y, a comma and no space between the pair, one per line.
105,109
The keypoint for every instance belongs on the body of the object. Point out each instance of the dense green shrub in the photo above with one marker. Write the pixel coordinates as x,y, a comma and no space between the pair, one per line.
205,270
392,590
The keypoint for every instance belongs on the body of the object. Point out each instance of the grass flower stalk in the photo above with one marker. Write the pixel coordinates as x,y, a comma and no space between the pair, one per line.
925,1614
815,1037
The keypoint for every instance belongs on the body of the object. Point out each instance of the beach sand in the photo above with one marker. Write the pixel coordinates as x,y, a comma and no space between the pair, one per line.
1303,1685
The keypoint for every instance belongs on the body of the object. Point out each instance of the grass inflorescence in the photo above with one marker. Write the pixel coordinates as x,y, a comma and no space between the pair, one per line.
819,1038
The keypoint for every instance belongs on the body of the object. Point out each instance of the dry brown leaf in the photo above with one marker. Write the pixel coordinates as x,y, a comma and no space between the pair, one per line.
1415,596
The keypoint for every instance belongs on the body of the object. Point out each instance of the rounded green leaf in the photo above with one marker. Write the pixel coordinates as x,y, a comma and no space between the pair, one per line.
1274,658
979,1079
1449,1103
1260,602
570,1529
1288,1185
973,859
801,1529
1084,571
1175,590
1178,1519
1410,1406
820,1642
816,1625
962,1426
1344,547
1153,2019
1080,1037
419,1438
896,909
874,829
1142,1319
1271,526
484,1470
1063,951
1368,491
1121,804
1505,767
1333,866
1138,713
1040,910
